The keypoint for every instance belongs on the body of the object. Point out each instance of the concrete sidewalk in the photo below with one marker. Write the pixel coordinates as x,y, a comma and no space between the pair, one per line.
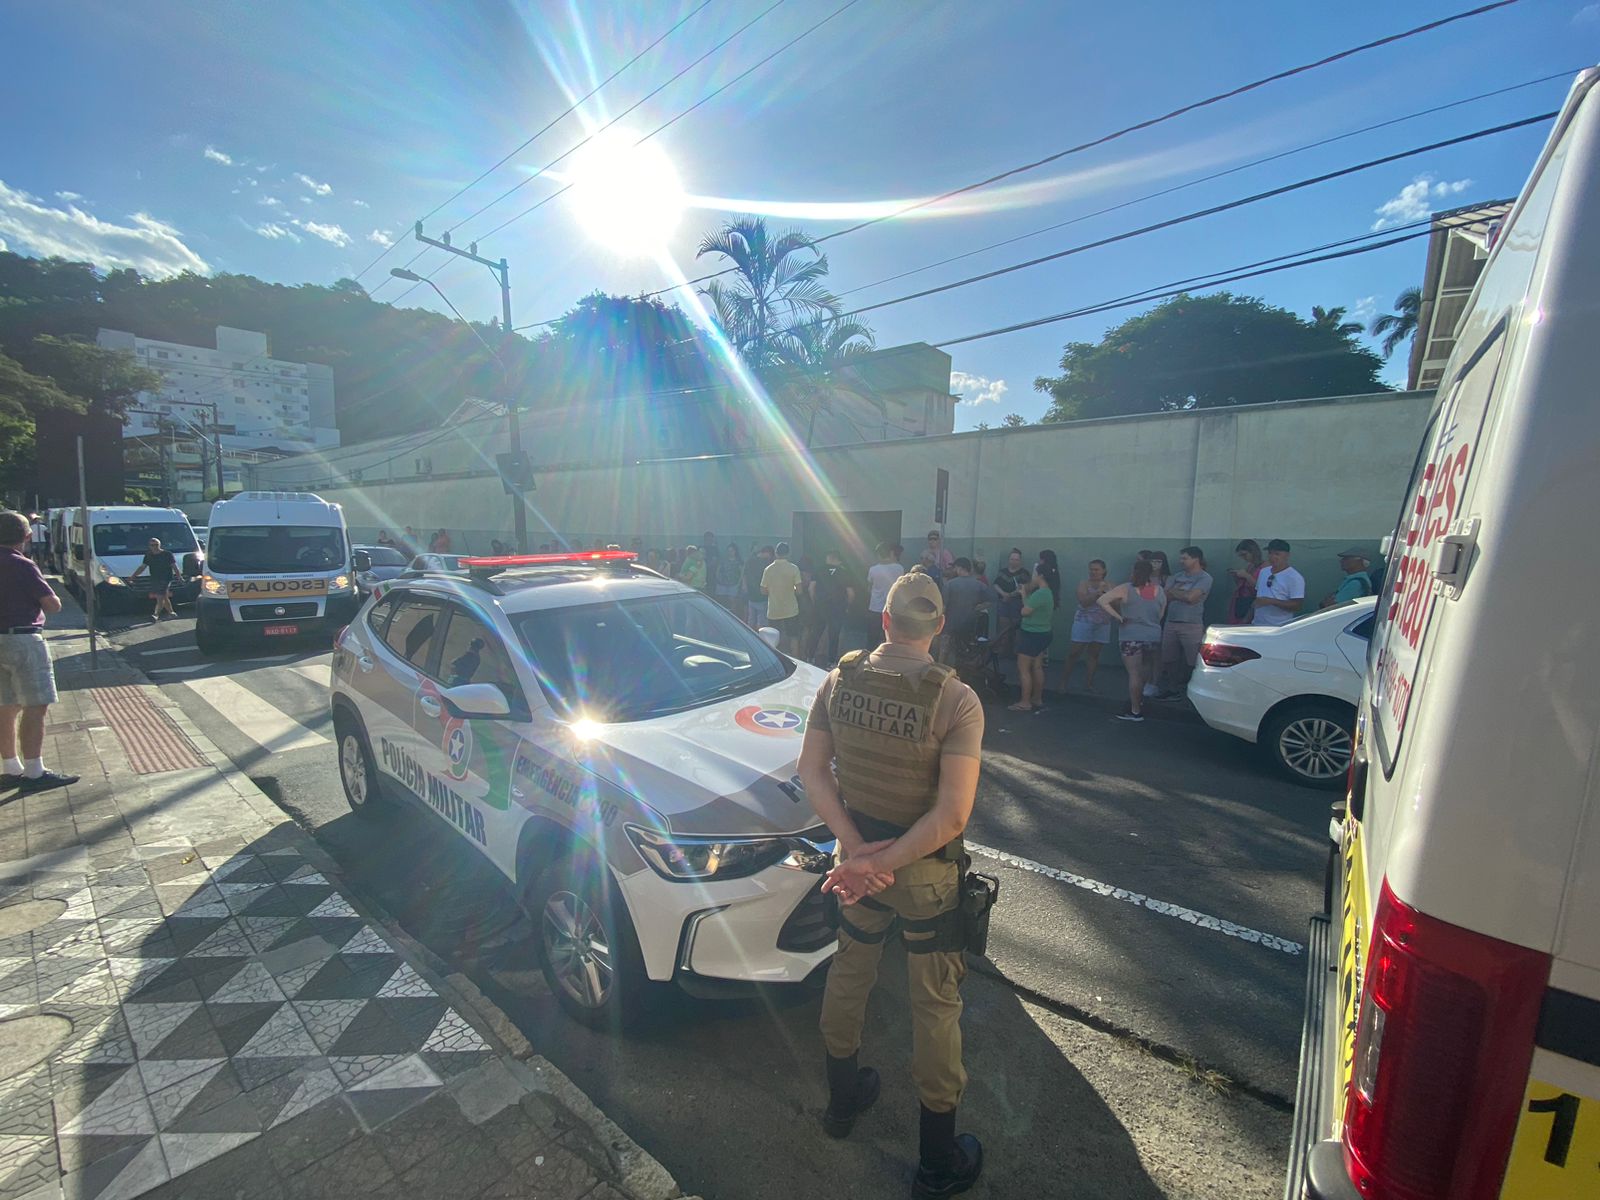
191,1006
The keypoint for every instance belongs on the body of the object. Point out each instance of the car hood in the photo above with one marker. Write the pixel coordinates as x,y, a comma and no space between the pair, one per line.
726,768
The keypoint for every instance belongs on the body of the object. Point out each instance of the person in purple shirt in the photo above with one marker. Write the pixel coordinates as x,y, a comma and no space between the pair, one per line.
27,680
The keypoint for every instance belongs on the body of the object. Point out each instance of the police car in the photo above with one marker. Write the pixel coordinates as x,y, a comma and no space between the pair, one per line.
616,744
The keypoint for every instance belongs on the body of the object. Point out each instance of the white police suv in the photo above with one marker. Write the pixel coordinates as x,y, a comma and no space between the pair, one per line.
619,746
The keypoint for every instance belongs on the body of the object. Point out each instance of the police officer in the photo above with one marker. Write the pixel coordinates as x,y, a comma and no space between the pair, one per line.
890,762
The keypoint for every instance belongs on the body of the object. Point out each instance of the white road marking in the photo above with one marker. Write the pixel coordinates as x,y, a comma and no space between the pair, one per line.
168,650
275,658
177,670
317,673
1165,908
264,724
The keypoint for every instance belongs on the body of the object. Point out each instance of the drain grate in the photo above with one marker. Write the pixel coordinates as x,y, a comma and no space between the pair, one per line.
153,743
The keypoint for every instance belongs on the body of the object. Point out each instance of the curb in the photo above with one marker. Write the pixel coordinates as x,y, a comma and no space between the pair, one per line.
629,1168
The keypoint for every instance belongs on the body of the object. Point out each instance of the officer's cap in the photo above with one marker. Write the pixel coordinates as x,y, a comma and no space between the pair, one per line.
915,602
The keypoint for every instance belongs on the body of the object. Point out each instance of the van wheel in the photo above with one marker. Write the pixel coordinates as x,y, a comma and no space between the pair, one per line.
208,641
1311,742
362,790
586,944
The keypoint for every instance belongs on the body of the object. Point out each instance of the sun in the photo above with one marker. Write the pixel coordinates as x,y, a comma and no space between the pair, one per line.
626,195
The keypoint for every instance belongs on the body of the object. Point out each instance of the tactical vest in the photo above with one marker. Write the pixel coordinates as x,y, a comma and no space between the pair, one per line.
886,758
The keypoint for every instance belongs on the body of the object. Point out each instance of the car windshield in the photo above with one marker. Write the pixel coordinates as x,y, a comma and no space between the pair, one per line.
385,556
275,548
133,537
632,659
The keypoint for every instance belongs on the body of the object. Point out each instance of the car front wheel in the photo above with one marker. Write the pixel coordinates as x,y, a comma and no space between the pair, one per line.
586,945
1311,742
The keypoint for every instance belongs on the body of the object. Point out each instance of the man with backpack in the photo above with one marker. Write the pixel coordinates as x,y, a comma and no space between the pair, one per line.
1357,580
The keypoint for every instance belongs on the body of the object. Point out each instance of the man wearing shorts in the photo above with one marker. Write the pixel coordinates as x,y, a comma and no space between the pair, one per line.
780,583
27,680
163,568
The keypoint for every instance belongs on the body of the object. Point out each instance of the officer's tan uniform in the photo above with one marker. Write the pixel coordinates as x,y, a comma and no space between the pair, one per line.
893,714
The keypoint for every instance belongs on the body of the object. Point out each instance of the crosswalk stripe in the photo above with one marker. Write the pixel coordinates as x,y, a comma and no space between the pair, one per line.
265,724
318,673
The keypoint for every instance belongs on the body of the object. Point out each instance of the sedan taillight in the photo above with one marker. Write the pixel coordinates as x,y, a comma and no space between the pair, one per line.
1224,654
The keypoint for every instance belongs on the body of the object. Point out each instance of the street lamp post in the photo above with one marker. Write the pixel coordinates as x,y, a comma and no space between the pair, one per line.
502,273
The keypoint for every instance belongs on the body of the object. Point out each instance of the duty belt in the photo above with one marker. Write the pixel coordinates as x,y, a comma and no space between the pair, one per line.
24,629
874,830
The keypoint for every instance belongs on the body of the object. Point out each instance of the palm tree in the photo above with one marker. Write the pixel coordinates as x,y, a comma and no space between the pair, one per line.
1399,325
1333,319
817,349
776,288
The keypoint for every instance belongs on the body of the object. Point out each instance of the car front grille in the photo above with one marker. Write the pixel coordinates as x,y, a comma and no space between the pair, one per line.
808,927
278,612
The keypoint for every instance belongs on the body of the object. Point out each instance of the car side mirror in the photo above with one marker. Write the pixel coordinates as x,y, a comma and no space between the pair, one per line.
770,636
476,700
361,560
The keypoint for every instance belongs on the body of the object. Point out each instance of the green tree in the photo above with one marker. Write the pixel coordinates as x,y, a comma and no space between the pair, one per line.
1013,421
1333,318
108,381
22,396
1206,352
815,351
1397,327
776,288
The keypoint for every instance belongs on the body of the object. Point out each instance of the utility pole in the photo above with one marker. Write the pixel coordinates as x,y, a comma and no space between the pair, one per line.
502,273
88,560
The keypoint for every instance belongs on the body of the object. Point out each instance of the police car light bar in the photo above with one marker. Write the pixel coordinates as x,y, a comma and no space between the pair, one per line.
538,560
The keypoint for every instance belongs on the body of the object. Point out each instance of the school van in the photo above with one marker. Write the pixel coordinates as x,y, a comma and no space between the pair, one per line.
1452,1040
119,536
278,565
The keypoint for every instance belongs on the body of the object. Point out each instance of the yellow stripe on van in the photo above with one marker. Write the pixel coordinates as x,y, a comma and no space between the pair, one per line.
1352,955
272,589
1556,1155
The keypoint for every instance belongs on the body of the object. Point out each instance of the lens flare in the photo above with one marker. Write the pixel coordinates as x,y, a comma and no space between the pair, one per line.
626,194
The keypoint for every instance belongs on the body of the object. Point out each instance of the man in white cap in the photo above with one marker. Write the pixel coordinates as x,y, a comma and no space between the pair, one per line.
1357,580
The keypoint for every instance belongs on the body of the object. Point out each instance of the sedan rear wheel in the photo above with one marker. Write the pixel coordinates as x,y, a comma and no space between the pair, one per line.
1312,742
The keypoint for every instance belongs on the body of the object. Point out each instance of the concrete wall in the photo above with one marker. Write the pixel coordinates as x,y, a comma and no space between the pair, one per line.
1321,473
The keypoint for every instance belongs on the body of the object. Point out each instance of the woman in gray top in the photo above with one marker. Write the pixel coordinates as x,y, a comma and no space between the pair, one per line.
1137,606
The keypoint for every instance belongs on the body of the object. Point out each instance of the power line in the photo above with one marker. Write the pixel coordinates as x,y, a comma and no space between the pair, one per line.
591,136
1167,291
1100,212
547,128
1199,213
1134,128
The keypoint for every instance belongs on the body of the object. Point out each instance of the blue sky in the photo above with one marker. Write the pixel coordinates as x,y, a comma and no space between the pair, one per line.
287,140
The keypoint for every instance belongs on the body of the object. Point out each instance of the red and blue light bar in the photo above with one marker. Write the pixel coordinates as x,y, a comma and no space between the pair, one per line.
545,560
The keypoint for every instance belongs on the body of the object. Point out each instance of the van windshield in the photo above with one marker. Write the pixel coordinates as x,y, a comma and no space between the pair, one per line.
133,537
243,548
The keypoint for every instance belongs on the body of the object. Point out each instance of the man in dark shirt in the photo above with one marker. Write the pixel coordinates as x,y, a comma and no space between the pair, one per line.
27,680
162,567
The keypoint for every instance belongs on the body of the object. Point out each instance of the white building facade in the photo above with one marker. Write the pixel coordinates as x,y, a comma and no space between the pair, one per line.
260,402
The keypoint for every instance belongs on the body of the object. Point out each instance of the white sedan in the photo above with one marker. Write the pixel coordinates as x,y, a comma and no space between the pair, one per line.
1292,689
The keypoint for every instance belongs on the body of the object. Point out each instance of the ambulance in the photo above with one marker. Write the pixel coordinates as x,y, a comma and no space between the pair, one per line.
279,564
1451,1048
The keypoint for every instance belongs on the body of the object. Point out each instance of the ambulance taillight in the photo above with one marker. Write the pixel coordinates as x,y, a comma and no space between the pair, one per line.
1443,1044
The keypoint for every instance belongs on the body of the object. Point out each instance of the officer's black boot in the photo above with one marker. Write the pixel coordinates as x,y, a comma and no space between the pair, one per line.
851,1091
950,1164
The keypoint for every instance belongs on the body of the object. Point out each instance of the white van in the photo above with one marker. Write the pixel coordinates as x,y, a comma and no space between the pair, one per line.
120,538
278,564
1452,1042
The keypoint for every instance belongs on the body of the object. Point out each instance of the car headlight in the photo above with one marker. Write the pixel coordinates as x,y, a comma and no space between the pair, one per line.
114,580
210,585
339,583
685,859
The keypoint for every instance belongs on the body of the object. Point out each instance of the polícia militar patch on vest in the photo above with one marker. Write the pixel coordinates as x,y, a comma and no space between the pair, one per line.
878,714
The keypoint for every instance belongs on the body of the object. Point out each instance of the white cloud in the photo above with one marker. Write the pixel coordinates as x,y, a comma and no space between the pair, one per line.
360,204
270,202
145,244
1364,309
217,156
328,233
274,232
1414,201
318,189
69,197
975,389
1589,14
379,238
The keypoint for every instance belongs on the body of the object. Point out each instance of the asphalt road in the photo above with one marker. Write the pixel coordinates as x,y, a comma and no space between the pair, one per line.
1156,880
